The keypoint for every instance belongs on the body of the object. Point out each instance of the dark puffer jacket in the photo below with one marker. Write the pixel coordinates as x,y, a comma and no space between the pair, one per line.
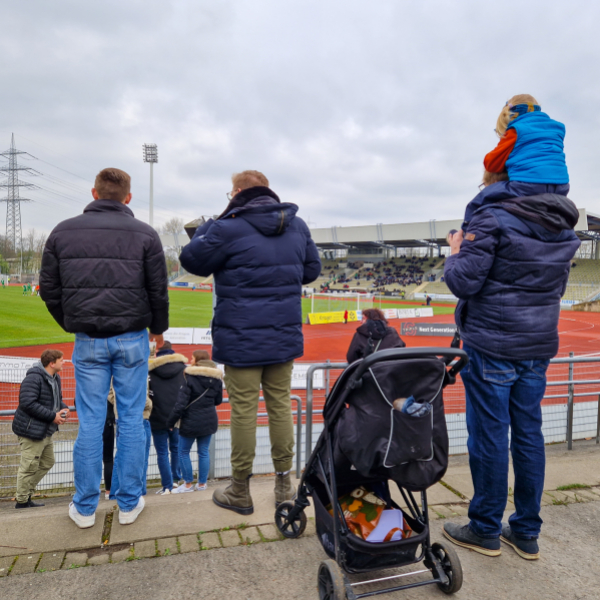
35,412
510,274
166,377
261,254
104,273
371,337
198,396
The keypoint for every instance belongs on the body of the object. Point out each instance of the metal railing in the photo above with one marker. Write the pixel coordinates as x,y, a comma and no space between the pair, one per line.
61,477
569,383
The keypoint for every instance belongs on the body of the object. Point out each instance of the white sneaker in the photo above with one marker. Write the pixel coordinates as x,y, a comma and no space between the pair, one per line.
81,521
129,517
107,495
163,492
182,489
175,485
200,486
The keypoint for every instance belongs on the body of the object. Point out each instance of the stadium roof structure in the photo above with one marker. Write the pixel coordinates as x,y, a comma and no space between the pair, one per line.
394,235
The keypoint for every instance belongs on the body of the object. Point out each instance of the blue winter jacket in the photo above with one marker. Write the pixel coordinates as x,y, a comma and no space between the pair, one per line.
260,254
510,274
538,155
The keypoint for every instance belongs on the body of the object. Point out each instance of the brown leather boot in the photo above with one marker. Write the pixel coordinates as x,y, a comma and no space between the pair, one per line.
236,496
284,488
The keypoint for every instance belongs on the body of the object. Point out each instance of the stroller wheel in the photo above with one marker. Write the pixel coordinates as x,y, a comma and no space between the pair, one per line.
331,581
451,565
290,527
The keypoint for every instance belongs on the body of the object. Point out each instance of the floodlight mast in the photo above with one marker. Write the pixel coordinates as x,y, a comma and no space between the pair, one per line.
151,156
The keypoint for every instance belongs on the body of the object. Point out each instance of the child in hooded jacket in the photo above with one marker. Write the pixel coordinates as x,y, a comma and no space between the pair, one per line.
196,404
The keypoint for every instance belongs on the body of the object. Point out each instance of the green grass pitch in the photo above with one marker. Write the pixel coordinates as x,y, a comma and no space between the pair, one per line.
26,322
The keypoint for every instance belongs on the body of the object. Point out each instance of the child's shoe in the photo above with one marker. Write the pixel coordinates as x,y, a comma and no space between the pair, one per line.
182,489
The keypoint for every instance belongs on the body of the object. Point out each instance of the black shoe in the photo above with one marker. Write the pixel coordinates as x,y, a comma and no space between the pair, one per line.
22,504
33,504
525,548
464,536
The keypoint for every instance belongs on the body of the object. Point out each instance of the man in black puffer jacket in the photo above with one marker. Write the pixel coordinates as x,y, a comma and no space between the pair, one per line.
40,412
166,377
261,254
104,278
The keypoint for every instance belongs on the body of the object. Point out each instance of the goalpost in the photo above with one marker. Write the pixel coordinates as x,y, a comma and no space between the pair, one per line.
336,302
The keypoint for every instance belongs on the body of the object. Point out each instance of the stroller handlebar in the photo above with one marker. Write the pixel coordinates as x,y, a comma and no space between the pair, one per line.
448,354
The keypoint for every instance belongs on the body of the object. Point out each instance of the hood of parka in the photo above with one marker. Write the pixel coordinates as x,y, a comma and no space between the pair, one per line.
261,207
553,212
167,366
374,329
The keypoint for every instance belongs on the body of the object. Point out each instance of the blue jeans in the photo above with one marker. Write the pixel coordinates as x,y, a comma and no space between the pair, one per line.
203,445
502,394
115,477
166,442
124,358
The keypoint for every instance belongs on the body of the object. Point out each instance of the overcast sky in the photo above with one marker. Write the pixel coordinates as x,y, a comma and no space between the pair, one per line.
359,112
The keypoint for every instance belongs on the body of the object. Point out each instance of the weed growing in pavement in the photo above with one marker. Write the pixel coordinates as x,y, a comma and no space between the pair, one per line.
573,486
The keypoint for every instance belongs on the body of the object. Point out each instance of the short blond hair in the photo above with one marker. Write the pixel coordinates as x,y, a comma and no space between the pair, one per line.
489,178
248,179
505,115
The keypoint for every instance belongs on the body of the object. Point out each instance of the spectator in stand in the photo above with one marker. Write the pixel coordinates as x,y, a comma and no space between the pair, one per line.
104,278
372,335
261,254
200,394
40,412
166,378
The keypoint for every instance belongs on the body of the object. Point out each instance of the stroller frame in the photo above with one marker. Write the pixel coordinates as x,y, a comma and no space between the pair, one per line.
290,517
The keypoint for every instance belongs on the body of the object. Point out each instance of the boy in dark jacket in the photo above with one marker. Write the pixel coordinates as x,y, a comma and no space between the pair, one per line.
201,392
166,377
40,412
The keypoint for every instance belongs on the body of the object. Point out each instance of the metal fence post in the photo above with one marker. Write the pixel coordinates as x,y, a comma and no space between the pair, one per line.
598,423
570,405
211,464
327,379
309,409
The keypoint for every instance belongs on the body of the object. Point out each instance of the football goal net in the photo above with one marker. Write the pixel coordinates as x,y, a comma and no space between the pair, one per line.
332,302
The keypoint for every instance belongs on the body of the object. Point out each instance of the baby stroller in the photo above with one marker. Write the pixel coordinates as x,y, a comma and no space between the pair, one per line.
367,442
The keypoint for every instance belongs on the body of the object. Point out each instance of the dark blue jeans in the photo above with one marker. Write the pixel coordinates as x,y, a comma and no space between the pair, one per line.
203,446
502,394
166,442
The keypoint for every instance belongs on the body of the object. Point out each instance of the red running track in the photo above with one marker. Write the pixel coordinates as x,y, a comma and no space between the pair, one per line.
579,333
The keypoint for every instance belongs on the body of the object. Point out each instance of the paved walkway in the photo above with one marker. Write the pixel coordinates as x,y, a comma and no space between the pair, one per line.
42,540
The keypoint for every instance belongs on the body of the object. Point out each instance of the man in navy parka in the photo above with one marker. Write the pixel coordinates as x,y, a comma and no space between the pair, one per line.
509,271
261,254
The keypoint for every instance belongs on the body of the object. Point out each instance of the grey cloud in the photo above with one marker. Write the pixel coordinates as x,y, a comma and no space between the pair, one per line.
359,112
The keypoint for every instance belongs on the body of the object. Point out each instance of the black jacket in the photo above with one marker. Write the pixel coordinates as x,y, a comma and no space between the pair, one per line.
35,413
166,377
371,337
104,273
201,392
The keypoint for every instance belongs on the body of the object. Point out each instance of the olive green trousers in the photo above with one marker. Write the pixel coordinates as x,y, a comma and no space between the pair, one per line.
243,387
37,458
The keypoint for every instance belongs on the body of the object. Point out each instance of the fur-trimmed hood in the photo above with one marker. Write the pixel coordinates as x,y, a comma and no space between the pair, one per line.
205,368
153,363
